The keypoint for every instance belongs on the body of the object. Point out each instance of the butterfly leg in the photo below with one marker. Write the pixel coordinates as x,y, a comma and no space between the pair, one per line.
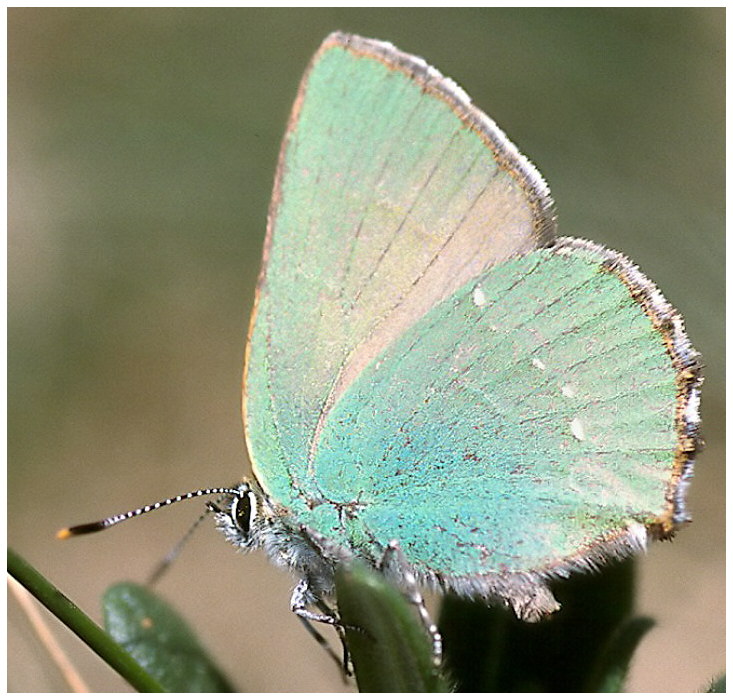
172,555
301,598
341,661
393,560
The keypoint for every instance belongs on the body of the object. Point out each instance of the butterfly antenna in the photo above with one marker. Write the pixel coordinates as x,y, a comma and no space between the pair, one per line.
98,525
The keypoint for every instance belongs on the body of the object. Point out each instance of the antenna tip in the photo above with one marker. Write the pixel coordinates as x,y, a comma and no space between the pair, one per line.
81,529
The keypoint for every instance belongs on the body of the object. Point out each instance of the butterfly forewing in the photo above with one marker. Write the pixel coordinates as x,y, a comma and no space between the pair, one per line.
392,192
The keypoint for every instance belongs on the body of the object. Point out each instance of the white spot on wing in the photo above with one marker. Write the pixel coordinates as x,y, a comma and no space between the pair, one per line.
567,391
577,429
538,363
692,410
479,298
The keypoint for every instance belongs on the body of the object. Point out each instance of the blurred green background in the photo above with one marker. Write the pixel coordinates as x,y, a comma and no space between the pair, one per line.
142,148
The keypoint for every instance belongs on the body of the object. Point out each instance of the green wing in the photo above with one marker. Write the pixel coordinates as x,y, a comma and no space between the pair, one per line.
529,423
392,192
422,368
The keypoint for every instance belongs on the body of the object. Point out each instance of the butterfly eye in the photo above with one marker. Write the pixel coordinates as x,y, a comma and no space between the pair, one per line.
243,510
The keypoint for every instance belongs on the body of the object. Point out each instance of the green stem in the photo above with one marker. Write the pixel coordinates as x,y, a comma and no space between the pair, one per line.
85,628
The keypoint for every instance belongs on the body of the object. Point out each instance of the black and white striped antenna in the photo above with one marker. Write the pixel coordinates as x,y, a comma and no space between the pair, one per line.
98,525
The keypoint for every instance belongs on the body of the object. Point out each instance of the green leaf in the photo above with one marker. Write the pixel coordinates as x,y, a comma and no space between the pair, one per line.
613,662
161,642
717,685
389,646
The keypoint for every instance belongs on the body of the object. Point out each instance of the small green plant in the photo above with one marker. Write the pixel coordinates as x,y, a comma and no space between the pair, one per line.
586,646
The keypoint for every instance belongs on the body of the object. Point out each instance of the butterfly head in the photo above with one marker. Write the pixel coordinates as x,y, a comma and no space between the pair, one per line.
242,514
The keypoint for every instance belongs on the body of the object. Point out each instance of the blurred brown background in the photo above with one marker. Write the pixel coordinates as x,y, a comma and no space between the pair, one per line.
142,147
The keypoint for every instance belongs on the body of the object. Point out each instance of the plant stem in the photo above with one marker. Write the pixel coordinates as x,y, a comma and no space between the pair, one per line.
79,623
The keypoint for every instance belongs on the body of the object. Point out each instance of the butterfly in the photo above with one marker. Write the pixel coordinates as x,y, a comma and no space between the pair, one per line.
436,384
